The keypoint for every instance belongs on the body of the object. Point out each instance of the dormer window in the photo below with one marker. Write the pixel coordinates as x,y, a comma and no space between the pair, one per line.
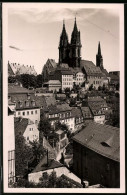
20,104
27,103
28,96
33,103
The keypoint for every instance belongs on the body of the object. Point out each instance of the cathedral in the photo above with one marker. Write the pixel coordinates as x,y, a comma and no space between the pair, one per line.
70,61
70,53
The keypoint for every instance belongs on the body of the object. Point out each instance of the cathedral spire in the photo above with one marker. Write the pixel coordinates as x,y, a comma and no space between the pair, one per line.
99,58
99,49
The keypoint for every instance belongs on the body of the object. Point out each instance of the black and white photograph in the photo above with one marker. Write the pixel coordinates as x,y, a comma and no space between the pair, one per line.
63,97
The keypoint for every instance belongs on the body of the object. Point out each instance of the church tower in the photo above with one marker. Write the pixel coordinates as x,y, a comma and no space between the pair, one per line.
63,46
75,48
99,58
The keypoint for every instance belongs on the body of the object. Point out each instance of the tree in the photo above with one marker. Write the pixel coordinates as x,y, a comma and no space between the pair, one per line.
23,154
39,81
44,127
91,87
72,101
38,150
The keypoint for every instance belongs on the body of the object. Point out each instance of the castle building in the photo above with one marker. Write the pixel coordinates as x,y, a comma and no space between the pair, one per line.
17,69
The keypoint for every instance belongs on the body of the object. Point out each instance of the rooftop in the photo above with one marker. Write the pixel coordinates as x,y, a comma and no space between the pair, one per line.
86,112
102,139
20,124
44,165
90,68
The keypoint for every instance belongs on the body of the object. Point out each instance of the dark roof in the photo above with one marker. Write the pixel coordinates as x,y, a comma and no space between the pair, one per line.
95,99
59,108
76,112
23,98
105,72
95,137
64,71
45,102
90,68
20,125
86,113
43,165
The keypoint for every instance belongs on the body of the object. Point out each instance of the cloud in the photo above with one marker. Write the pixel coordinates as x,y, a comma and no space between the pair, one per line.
13,47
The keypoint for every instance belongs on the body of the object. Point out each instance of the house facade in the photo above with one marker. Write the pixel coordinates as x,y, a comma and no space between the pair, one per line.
96,156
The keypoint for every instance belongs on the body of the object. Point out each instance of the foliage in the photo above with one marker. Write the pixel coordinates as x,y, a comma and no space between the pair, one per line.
72,101
38,150
44,126
62,126
46,181
21,155
27,80
91,87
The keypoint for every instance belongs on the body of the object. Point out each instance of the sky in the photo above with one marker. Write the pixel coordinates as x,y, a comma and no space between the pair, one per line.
34,33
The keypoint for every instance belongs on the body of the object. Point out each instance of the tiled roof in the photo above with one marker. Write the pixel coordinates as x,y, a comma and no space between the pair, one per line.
103,139
64,71
45,102
86,113
76,112
105,72
20,125
95,99
42,166
22,101
55,109
53,82
53,63
90,68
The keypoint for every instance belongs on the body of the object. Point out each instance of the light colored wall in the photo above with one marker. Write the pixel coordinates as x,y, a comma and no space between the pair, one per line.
11,148
34,117
79,78
31,132
67,81
97,80
34,177
11,134
99,119
53,88
70,122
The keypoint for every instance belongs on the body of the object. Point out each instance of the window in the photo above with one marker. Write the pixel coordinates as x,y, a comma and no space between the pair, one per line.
27,103
27,138
35,111
30,129
36,122
33,103
31,112
18,113
27,112
23,113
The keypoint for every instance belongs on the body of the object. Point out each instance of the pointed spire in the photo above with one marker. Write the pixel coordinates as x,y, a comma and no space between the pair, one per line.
75,25
99,49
